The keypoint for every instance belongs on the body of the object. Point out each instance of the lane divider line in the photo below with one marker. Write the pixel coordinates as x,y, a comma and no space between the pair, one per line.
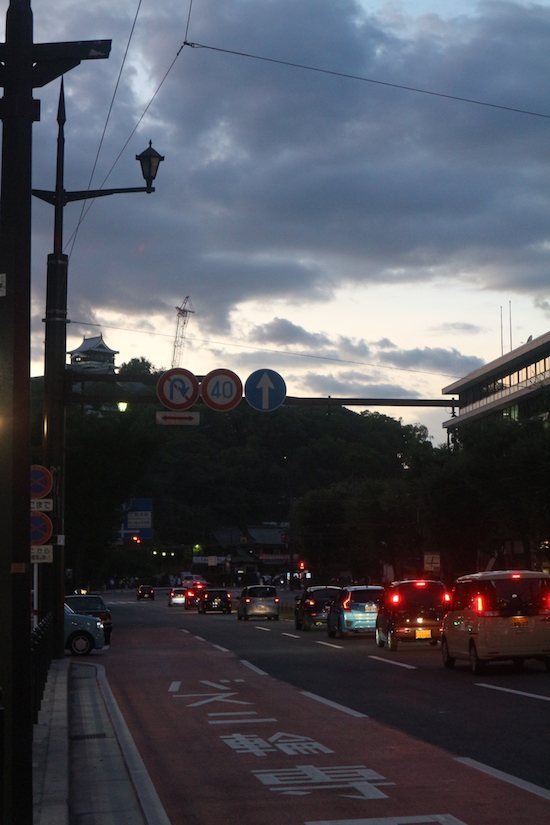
334,705
291,635
505,777
517,692
330,644
393,662
253,667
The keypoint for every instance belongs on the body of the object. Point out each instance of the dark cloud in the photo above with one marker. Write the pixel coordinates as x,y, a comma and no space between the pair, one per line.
282,184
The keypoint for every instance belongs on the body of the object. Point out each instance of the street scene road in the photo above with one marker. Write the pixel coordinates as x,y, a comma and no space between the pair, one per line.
255,722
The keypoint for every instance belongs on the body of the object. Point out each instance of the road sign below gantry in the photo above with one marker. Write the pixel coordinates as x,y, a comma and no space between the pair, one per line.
177,389
265,390
221,390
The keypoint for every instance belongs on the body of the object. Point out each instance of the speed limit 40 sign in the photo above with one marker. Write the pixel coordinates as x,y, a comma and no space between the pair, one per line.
221,390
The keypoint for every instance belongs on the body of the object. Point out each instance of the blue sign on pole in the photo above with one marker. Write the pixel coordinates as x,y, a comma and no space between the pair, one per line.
265,390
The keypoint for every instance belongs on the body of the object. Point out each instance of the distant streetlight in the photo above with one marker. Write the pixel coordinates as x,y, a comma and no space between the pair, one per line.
52,592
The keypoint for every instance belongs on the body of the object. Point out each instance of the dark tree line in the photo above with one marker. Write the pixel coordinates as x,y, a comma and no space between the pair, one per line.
359,490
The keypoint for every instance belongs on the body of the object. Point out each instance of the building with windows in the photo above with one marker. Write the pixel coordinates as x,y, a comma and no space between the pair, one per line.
93,355
514,386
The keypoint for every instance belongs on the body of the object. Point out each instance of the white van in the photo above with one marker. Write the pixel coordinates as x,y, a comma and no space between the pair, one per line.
498,615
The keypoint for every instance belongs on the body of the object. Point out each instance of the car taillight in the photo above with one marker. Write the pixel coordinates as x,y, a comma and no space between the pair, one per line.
276,600
446,598
396,598
310,602
481,608
544,609
190,594
346,603
248,599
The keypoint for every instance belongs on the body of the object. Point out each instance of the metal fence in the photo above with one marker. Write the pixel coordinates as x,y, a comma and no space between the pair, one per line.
41,654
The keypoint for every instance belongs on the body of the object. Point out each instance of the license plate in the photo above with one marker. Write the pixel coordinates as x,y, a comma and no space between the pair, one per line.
369,608
519,621
423,634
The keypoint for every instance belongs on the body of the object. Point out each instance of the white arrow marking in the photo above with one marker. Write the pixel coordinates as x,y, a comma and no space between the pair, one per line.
265,384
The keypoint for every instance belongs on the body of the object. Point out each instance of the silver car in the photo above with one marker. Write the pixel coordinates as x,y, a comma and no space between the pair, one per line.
82,633
258,600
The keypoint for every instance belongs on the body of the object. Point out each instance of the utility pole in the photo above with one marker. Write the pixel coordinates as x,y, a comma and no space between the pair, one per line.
23,66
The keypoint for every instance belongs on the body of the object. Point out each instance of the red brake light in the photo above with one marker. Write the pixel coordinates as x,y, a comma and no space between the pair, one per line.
276,599
446,597
516,575
420,584
310,602
396,598
479,604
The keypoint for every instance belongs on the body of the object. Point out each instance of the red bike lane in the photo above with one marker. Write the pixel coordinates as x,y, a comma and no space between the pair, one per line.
223,742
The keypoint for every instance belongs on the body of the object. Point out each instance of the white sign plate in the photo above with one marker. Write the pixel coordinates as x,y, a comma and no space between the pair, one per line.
42,504
41,553
171,417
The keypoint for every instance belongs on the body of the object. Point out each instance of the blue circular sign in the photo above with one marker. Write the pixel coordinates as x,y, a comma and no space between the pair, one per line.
265,390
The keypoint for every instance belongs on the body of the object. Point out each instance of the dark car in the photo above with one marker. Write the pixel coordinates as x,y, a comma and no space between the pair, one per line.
312,606
145,591
412,611
90,605
213,599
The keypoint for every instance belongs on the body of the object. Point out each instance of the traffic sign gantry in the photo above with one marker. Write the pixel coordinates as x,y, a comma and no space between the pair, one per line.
177,389
221,390
265,390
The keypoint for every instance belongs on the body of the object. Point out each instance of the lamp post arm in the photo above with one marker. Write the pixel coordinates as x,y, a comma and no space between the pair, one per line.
69,197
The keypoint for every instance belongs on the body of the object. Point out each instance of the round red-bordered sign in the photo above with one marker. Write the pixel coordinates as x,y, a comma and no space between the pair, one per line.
221,390
177,389
41,528
41,481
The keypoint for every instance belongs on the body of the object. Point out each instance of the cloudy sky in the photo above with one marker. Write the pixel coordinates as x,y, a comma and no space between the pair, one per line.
359,237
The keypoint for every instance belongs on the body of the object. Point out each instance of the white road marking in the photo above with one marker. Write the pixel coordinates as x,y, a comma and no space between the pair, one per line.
200,638
335,705
329,644
219,647
254,668
265,629
505,777
438,819
239,721
392,662
291,635
174,687
517,692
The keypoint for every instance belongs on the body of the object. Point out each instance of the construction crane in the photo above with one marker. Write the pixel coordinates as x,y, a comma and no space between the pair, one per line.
183,313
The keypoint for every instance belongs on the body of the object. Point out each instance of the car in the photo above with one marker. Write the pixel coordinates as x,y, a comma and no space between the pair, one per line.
146,591
177,595
312,606
193,580
354,610
214,599
258,600
496,616
82,633
91,605
412,611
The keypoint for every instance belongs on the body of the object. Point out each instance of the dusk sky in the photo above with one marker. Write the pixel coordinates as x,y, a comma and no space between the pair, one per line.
360,238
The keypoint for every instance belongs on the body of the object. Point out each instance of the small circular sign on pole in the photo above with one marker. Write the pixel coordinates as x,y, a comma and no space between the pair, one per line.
41,528
265,390
221,390
177,389
41,481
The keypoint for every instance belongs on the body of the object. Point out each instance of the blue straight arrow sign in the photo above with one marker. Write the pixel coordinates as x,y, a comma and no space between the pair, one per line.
265,390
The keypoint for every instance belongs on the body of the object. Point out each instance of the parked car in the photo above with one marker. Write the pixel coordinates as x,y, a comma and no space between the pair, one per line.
312,606
213,599
91,605
258,600
82,633
498,615
354,610
145,591
412,611
177,595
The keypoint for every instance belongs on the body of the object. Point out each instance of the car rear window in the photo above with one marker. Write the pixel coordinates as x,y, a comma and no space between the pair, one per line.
262,592
326,593
516,596
414,594
365,596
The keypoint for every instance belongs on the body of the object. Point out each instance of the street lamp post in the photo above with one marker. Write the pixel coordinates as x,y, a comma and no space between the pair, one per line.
24,66
52,592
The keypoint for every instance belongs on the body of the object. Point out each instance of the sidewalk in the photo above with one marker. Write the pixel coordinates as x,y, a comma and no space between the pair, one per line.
86,770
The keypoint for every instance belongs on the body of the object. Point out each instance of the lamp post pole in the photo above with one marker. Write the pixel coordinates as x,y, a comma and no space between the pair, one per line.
52,581
23,66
